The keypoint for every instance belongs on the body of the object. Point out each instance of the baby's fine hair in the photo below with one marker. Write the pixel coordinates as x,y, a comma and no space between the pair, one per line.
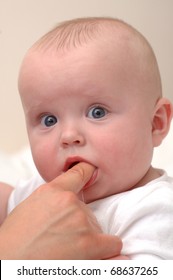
76,32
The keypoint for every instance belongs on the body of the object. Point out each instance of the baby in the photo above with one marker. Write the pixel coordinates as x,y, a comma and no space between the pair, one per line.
91,91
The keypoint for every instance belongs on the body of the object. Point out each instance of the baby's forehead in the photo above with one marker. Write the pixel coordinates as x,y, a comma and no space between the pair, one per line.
109,35
113,39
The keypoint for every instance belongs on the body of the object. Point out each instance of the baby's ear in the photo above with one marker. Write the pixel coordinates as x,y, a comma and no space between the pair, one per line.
161,120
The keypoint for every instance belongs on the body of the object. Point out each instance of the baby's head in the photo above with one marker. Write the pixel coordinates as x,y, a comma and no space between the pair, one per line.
91,91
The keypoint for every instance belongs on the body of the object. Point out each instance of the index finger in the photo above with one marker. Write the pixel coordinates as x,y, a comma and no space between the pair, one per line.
75,178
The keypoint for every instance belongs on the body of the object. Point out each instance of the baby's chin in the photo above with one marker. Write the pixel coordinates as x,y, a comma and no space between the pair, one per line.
97,191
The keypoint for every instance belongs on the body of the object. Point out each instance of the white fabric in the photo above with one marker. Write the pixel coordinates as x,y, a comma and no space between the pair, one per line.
142,217
16,166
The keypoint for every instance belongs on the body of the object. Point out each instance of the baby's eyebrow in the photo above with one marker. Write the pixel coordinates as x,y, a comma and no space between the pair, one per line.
32,110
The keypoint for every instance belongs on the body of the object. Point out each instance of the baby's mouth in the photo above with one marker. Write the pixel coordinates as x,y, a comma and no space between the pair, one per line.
71,162
92,180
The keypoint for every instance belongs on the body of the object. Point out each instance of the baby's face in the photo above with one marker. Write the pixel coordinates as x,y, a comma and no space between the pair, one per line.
86,105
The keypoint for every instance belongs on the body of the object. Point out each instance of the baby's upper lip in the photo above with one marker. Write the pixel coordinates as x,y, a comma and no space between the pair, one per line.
72,161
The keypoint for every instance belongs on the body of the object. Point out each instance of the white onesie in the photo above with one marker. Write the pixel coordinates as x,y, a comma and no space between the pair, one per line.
142,217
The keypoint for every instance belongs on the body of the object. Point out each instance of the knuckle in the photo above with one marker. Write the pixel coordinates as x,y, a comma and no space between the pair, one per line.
69,197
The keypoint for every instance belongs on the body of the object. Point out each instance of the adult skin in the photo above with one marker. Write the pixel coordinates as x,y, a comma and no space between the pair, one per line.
5,191
53,223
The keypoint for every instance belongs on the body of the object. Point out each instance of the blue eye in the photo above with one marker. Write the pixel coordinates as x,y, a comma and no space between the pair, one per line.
97,112
49,120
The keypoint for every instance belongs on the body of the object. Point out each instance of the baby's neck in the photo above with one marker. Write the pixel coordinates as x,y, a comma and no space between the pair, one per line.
152,174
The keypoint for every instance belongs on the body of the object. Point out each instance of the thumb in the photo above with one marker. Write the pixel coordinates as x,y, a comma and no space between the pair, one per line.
75,178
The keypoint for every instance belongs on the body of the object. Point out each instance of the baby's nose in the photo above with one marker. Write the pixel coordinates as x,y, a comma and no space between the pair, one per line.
72,137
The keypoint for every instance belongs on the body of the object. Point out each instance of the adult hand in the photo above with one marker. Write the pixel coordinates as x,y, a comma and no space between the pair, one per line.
54,224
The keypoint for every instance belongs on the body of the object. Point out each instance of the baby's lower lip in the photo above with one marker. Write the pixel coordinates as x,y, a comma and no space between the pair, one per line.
92,180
